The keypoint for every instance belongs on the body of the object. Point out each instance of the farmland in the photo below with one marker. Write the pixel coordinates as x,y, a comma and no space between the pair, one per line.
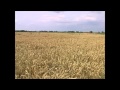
42,55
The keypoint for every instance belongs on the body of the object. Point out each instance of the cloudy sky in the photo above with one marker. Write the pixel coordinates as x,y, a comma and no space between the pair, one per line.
60,20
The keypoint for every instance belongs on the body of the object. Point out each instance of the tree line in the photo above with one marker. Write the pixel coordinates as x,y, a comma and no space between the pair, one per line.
59,31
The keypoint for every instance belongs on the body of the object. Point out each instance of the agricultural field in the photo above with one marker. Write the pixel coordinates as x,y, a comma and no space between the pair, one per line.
42,55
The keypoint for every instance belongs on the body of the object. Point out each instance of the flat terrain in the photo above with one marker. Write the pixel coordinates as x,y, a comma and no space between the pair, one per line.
40,55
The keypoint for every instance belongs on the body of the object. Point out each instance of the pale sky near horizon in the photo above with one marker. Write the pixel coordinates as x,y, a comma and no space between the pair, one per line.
60,20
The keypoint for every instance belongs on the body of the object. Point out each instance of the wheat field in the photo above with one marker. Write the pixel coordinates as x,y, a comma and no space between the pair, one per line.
40,55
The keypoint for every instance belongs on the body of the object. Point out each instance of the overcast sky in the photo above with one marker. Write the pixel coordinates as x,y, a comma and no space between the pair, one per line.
60,20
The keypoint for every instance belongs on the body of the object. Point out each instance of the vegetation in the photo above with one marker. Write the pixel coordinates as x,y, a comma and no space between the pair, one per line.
61,31
91,31
59,55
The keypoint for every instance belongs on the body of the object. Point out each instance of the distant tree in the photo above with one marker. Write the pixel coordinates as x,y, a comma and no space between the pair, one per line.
91,31
98,32
71,31
102,32
50,31
77,31
21,31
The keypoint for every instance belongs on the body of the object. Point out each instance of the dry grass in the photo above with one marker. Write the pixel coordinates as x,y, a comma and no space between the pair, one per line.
59,55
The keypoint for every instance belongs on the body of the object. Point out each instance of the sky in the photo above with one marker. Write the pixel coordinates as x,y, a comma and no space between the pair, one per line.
60,20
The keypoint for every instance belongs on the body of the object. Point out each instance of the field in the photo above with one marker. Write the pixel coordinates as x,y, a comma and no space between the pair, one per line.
40,55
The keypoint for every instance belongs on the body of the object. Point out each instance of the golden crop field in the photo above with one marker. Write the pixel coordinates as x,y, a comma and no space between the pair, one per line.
40,55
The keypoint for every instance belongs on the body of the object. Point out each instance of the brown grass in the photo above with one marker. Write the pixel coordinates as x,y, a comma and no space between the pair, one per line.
59,55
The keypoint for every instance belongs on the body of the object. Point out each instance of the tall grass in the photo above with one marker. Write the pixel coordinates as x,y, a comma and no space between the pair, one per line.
59,56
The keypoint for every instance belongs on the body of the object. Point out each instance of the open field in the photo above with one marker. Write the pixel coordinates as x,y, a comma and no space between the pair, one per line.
40,55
